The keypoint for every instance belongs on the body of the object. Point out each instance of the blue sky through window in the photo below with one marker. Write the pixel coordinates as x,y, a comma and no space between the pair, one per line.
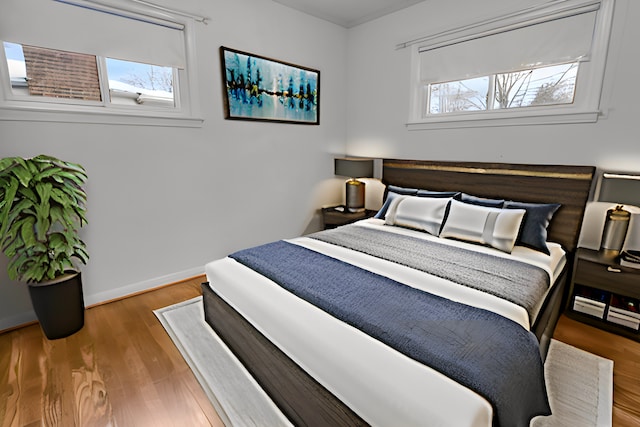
13,51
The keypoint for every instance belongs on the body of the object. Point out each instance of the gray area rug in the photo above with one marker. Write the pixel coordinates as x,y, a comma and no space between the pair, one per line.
580,384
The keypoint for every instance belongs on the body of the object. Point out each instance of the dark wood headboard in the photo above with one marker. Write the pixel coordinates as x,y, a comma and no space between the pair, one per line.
568,185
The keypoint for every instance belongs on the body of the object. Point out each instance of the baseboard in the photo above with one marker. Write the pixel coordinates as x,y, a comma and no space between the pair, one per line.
136,288
17,321
29,317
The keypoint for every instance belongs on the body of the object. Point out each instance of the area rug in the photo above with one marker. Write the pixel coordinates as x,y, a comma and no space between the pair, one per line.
580,384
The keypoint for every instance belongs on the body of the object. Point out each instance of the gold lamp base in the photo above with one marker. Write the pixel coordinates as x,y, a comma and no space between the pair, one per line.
615,231
354,195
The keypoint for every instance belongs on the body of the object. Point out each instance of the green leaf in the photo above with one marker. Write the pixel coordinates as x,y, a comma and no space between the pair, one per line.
44,191
52,171
14,266
42,227
22,209
6,164
27,232
56,216
10,193
76,178
23,173
28,193
10,238
61,197
82,254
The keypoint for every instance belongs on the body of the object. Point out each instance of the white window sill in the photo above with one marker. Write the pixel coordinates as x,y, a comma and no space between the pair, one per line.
496,120
103,116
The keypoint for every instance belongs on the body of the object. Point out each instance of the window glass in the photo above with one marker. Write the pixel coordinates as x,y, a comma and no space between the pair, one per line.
540,86
17,68
461,95
551,85
51,73
143,84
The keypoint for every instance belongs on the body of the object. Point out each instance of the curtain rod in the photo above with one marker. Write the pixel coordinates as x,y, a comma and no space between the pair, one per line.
196,18
107,7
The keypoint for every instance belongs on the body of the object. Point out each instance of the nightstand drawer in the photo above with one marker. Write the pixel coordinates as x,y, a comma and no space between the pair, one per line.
595,274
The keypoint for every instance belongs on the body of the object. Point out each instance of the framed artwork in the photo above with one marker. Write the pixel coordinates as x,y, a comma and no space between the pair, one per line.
260,88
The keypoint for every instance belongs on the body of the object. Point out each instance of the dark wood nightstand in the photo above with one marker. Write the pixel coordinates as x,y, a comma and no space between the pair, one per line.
336,216
604,294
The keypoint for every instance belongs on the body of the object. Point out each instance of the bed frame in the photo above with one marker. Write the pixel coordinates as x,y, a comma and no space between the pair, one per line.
307,403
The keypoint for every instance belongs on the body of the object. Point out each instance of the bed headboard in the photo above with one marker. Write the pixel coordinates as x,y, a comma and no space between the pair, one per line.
568,185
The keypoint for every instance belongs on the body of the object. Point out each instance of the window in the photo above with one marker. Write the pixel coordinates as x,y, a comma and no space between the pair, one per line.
542,65
551,85
132,67
71,77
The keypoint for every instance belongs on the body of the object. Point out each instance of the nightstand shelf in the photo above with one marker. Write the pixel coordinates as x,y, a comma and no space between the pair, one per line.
604,294
336,216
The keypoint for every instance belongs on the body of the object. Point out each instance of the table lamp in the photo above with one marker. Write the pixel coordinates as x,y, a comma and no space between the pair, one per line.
622,189
354,167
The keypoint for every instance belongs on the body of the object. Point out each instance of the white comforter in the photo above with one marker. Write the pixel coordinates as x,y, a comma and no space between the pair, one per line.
380,384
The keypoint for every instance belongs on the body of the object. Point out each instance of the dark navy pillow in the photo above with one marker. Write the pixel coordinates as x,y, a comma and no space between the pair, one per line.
437,194
480,201
402,190
533,232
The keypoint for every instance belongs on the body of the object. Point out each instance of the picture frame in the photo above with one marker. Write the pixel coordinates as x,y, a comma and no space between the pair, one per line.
255,87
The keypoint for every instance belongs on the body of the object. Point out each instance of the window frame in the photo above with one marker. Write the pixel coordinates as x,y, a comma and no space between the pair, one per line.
185,113
586,107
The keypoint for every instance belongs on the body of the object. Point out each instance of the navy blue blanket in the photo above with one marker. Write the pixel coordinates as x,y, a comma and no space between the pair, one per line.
481,350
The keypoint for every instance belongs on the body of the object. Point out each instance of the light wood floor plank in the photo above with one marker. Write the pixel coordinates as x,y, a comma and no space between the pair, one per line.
122,369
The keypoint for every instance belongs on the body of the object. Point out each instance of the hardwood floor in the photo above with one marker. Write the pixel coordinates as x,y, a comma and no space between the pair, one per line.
122,369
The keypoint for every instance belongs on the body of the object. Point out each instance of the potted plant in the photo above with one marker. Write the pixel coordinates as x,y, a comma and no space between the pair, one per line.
42,208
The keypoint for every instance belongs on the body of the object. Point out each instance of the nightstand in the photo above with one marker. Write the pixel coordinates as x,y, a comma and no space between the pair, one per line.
336,216
604,294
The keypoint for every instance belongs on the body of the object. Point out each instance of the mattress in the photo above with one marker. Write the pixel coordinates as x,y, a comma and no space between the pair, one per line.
380,384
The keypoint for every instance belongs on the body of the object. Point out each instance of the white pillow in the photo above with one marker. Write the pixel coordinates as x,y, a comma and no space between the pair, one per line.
421,213
480,224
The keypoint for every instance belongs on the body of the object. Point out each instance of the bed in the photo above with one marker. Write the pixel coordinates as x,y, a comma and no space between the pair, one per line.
424,315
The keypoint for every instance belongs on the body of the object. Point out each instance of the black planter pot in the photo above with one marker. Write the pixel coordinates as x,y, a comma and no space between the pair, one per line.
59,306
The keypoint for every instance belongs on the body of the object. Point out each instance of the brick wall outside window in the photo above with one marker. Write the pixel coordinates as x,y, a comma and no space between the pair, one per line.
59,74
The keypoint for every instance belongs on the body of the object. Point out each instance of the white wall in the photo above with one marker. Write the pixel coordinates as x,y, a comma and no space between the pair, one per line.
379,96
164,201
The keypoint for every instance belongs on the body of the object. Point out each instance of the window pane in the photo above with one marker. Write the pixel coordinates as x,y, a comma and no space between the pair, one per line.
134,83
17,69
461,95
540,86
52,73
